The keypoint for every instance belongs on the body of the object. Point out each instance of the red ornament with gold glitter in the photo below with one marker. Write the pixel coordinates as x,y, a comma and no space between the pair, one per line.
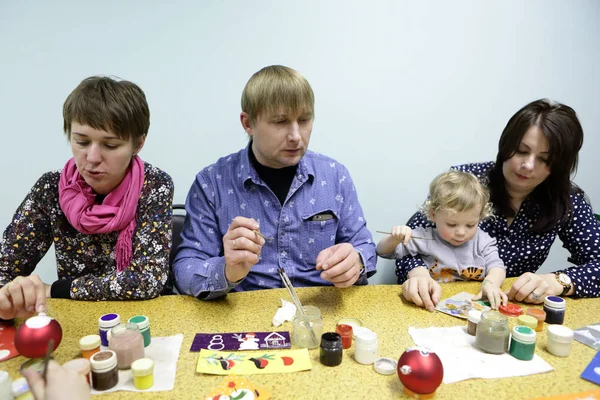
421,372
33,336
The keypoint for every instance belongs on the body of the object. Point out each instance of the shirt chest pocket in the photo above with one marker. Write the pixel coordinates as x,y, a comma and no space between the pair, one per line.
318,232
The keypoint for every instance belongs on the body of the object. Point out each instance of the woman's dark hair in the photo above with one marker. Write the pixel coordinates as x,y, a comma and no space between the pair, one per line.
561,127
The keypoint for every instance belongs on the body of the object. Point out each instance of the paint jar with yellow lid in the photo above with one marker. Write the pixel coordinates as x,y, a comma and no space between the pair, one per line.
528,321
143,373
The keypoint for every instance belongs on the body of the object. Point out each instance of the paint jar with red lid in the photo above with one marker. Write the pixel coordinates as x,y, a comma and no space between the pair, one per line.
511,310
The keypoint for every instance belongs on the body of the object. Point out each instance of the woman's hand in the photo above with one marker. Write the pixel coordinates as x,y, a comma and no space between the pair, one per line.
61,383
533,288
22,297
421,289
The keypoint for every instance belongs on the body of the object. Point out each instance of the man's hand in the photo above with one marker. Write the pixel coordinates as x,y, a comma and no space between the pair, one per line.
242,247
22,297
340,264
421,289
61,383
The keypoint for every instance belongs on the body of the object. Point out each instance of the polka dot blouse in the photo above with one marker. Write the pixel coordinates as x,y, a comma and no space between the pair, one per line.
525,251
86,264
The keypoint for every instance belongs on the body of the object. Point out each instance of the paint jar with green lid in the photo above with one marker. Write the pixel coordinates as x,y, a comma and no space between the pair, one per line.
143,373
522,343
492,332
528,321
143,324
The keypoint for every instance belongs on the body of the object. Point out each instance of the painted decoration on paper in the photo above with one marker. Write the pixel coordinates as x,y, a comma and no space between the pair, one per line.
7,340
244,363
238,388
241,341
460,304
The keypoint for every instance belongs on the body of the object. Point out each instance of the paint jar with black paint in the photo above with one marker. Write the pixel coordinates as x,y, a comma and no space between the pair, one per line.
331,349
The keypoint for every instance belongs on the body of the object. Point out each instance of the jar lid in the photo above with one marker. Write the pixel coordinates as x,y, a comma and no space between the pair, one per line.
536,313
142,367
527,320
353,322
141,321
385,366
560,333
494,316
109,320
357,330
89,342
510,309
366,338
80,365
555,302
474,316
103,360
523,334
123,329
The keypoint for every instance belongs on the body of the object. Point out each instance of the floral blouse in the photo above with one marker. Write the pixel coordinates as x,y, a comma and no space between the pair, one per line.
86,263
525,251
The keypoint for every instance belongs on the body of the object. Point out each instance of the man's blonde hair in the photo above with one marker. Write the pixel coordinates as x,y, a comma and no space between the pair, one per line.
276,87
457,191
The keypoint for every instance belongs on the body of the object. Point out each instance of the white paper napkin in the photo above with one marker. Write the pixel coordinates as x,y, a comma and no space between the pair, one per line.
164,351
284,313
462,359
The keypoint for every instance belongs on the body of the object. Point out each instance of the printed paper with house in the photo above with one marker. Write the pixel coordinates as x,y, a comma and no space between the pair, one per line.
241,341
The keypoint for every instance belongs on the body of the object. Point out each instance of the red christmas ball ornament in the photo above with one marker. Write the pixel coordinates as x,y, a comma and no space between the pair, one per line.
33,336
421,372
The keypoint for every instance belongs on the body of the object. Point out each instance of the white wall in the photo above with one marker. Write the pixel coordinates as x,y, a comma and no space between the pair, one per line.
404,89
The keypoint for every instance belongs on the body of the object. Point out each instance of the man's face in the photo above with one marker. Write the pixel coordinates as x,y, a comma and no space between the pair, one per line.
280,139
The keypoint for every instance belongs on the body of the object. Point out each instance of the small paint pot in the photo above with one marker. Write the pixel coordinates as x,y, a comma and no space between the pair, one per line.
365,349
560,340
511,310
105,374
345,331
105,324
143,373
81,365
353,322
522,343
5,386
473,318
527,320
331,349
554,307
89,345
143,324
539,315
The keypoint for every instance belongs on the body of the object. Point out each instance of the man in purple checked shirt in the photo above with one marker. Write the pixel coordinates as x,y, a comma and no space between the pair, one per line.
303,203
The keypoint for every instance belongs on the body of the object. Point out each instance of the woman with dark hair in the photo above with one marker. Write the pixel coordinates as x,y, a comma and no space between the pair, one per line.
107,213
534,201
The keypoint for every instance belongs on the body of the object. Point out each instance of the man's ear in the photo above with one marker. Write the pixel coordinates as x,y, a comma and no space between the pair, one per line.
245,120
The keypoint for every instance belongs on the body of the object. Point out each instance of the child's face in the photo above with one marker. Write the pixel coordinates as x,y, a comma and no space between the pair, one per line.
456,228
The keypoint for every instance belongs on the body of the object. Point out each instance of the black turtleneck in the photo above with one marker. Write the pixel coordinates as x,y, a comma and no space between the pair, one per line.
278,180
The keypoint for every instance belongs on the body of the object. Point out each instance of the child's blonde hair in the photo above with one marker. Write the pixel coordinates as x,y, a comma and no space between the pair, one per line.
457,191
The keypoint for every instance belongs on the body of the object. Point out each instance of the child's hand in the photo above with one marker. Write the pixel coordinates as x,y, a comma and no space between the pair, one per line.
402,233
493,293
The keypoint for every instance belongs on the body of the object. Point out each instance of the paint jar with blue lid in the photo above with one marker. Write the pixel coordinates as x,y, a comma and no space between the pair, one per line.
554,307
143,324
522,343
105,324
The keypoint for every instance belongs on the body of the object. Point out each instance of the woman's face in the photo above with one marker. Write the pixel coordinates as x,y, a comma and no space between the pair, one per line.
528,167
101,157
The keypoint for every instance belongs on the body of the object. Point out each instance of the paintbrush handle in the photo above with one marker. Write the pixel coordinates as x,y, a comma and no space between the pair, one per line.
412,237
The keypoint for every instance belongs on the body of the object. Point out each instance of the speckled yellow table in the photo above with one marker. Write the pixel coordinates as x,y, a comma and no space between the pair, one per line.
379,307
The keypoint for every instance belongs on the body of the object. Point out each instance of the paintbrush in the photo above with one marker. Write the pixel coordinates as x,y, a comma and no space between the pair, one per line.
412,237
262,236
296,300
47,358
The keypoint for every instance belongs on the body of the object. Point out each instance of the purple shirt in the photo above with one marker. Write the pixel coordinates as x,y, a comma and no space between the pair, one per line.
231,187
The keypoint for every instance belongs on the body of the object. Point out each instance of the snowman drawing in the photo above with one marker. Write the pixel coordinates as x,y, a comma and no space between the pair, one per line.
249,342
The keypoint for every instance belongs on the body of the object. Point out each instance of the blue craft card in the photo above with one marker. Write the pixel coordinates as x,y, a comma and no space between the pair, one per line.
592,372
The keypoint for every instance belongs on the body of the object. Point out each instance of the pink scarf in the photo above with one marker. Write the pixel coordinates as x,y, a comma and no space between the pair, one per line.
116,213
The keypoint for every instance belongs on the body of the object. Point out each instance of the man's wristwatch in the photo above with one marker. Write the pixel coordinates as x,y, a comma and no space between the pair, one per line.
565,281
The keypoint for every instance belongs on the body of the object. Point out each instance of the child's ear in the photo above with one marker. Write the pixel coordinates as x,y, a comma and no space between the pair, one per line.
431,214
